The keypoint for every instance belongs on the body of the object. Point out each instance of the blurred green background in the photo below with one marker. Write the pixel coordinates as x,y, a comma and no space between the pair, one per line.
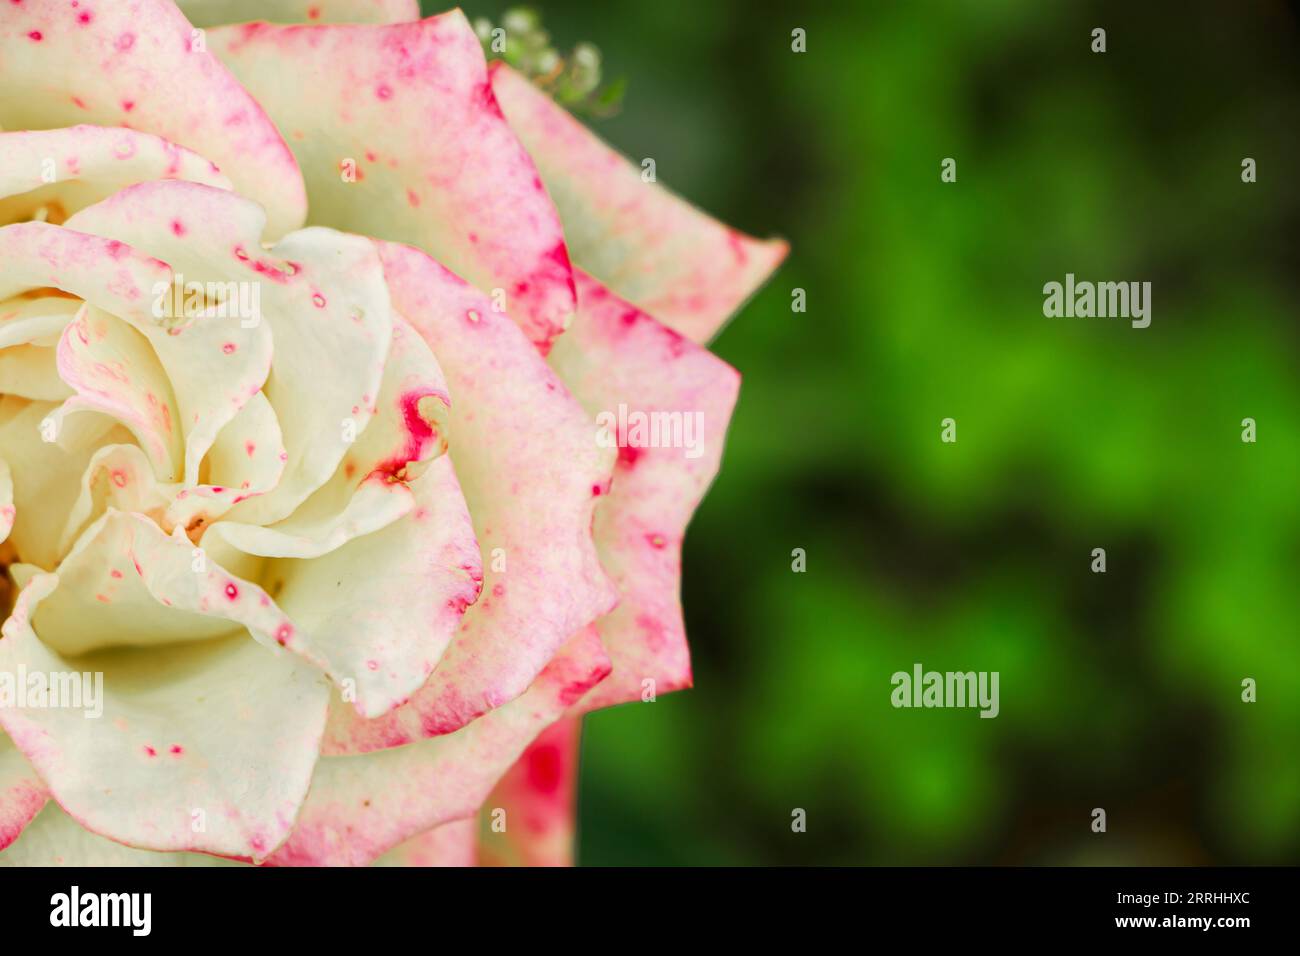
924,301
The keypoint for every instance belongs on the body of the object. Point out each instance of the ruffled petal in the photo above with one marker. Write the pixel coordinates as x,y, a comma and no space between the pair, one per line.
361,807
208,747
113,371
651,247
139,63
526,457
32,371
627,369
216,354
47,475
38,320
126,584
400,137
120,477
246,460
367,490
30,327
332,315
383,607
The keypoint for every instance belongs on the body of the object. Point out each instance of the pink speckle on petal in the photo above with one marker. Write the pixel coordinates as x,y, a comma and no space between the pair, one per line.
150,751
178,227
178,749
249,448
228,348
115,573
232,592
283,634
318,300
119,477
125,41
383,91
34,36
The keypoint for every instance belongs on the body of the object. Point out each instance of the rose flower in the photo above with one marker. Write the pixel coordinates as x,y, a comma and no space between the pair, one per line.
308,521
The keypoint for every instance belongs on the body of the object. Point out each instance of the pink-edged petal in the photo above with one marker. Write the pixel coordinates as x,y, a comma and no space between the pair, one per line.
208,747
104,272
410,415
644,242
452,844
527,459
616,355
139,63
399,137
361,807
539,796
22,794
87,164
55,839
211,13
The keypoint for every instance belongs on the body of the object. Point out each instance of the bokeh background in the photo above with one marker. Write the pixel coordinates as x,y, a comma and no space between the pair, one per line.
1119,690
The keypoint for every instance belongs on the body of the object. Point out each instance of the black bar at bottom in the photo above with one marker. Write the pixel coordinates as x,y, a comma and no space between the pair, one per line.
304,906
